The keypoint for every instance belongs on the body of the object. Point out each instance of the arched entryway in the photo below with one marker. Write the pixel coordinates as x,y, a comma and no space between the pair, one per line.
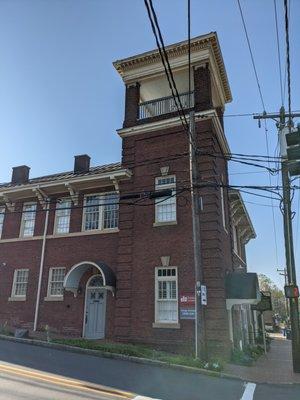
94,312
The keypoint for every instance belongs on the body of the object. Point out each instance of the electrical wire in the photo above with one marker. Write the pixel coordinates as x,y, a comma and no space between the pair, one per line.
287,40
168,71
278,54
272,205
251,55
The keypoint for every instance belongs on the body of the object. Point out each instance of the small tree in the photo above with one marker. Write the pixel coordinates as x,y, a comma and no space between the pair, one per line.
278,298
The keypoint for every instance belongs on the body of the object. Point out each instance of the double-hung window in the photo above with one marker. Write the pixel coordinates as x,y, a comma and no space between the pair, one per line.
55,282
166,296
62,216
28,219
2,213
20,283
101,211
165,207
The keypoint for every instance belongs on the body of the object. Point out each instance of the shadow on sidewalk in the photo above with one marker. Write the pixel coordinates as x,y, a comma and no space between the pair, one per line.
274,367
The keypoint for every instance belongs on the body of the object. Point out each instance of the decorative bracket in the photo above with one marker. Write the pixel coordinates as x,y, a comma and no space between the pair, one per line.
73,193
116,184
42,197
10,206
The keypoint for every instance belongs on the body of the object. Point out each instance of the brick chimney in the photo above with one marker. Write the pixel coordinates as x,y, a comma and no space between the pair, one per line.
82,163
20,174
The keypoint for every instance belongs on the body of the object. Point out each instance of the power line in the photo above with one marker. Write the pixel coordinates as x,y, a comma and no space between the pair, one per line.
285,70
166,65
287,40
251,55
278,53
270,181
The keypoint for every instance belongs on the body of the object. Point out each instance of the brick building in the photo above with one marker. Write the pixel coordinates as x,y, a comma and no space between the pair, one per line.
93,253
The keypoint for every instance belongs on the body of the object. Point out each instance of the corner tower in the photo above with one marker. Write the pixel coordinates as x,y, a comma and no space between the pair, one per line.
155,147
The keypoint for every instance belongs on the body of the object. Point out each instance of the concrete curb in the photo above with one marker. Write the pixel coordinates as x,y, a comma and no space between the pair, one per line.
138,360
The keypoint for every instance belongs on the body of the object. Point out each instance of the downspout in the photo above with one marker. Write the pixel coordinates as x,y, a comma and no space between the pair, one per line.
41,269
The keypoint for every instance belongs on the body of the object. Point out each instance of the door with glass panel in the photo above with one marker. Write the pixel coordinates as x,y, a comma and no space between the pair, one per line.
95,309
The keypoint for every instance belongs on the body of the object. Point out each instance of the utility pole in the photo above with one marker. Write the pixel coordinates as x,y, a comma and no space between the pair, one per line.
200,346
288,232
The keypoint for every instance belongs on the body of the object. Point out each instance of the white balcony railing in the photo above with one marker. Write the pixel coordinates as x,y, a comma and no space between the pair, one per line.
164,105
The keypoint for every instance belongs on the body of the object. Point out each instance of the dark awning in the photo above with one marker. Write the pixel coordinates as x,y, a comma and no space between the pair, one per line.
242,288
73,277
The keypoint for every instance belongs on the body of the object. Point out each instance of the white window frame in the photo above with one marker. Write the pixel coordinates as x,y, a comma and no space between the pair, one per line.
235,238
165,278
14,296
57,216
100,210
50,296
30,203
160,200
223,208
2,217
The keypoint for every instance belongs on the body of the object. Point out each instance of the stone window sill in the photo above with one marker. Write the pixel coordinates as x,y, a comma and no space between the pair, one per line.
17,298
166,325
166,223
54,298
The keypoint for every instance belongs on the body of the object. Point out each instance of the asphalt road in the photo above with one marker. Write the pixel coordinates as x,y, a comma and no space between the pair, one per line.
15,387
147,380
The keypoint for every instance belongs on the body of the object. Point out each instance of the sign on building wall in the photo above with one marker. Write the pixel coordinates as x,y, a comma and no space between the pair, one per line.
187,306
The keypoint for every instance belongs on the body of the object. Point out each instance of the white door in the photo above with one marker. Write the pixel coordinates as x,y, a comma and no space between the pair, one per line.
95,311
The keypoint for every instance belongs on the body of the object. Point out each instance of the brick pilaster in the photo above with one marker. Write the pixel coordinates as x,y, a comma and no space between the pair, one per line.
132,99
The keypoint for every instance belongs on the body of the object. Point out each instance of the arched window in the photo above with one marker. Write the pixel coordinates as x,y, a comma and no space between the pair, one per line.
96,281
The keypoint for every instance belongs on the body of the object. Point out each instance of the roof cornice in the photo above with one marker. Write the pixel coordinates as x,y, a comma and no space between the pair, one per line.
203,42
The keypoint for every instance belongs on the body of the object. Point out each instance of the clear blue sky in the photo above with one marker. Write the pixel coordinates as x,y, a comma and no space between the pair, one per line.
60,95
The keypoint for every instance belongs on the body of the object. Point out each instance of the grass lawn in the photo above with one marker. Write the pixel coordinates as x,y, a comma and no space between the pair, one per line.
141,352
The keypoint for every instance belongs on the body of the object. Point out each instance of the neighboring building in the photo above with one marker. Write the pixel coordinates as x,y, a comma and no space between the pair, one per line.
242,288
98,263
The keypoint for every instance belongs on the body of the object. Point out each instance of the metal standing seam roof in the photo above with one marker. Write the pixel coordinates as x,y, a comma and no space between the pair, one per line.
100,169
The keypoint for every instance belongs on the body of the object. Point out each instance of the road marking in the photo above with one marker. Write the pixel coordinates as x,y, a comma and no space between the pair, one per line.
143,398
249,391
55,379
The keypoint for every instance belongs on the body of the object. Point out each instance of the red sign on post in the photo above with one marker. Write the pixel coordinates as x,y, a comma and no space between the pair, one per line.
187,300
187,306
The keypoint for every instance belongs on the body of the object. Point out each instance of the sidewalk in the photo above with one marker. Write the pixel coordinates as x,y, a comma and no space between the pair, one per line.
274,367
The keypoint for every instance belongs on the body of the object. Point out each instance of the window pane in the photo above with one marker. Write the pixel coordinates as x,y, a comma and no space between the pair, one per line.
21,281
57,276
63,212
28,216
165,180
166,209
92,213
167,311
110,211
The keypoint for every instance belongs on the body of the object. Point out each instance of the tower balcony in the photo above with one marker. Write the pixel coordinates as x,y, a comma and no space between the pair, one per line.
164,105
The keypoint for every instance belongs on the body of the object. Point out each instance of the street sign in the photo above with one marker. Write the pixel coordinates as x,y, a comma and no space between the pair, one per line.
203,295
